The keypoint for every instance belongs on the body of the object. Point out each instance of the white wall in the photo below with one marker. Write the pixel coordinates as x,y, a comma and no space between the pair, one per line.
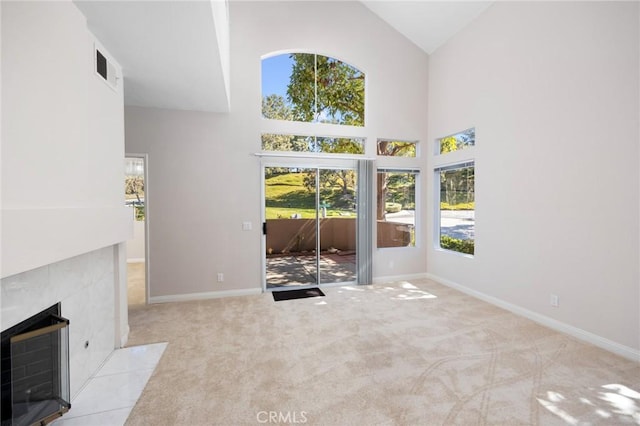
552,90
135,246
62,140
203,179
63,213
220,11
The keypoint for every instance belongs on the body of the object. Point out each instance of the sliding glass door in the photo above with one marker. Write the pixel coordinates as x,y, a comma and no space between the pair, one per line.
310,226
337,224
290,203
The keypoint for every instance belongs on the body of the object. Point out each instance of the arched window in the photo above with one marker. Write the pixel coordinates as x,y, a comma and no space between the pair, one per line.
312,88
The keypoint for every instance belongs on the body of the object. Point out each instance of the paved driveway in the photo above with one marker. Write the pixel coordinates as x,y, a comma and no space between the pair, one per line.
458,224
454,223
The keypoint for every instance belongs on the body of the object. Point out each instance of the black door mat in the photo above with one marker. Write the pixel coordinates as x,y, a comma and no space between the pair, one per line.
296,294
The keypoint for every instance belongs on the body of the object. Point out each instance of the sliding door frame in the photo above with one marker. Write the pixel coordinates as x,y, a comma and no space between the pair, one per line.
301,163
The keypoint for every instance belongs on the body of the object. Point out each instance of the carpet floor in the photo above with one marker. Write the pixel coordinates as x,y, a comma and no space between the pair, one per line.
399,354
136,283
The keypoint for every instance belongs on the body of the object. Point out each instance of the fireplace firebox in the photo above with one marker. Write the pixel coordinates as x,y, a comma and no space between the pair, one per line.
35,369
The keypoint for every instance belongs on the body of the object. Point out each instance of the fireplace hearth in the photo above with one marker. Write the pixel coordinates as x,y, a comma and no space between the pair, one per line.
35,370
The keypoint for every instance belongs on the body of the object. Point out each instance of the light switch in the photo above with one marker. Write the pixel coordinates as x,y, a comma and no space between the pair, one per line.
246,226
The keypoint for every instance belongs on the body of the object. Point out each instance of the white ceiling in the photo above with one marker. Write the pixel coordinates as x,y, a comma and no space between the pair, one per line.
173,53
168,51
429,24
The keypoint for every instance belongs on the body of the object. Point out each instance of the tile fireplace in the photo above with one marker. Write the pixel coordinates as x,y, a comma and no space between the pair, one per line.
35,369
82,289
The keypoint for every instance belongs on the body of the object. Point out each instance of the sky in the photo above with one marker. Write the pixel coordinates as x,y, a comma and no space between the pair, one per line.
275,75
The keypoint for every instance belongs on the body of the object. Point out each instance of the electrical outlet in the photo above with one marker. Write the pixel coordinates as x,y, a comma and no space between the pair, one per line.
220,277
555,301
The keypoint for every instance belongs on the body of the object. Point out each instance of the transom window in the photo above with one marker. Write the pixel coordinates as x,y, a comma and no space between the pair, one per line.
323,144
456,142
312,88
394,148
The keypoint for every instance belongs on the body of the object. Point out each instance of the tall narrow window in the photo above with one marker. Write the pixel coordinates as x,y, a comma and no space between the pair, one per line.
312,88
457,207
396,208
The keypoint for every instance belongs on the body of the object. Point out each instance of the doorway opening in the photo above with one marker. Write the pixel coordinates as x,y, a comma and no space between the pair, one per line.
137,252
310,226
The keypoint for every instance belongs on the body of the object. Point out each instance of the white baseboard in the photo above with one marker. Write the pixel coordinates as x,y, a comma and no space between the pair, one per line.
125,338
578,333
205,295
392,278
136,260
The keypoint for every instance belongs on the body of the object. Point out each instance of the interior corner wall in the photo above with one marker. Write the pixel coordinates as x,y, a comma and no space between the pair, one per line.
552,89
203,177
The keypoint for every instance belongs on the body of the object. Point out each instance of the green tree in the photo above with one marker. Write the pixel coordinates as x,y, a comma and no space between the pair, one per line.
275,107
326,89
448,144
340,145
457,186
134,185
344,179
393,149
401,189
458,141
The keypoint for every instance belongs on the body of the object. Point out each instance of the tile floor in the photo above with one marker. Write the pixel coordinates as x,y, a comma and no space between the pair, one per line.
109,396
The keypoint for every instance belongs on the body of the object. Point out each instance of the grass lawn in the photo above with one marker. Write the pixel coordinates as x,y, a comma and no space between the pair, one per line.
461,206
287,212
286,195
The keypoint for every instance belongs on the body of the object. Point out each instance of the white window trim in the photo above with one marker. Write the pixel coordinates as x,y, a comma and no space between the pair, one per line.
436,145
437,219
446,161
331,56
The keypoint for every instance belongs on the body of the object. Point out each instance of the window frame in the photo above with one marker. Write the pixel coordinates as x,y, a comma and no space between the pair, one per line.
315,121
437,146
414,142
416,201
362,141
451,161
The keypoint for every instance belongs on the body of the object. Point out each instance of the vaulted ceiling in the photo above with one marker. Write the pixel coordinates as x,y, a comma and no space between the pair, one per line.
175,54
429,24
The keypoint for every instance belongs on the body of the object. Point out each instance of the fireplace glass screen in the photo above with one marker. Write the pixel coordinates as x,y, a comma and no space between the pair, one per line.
39,358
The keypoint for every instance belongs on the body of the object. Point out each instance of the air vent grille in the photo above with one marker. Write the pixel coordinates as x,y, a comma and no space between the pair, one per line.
101,64
105,69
